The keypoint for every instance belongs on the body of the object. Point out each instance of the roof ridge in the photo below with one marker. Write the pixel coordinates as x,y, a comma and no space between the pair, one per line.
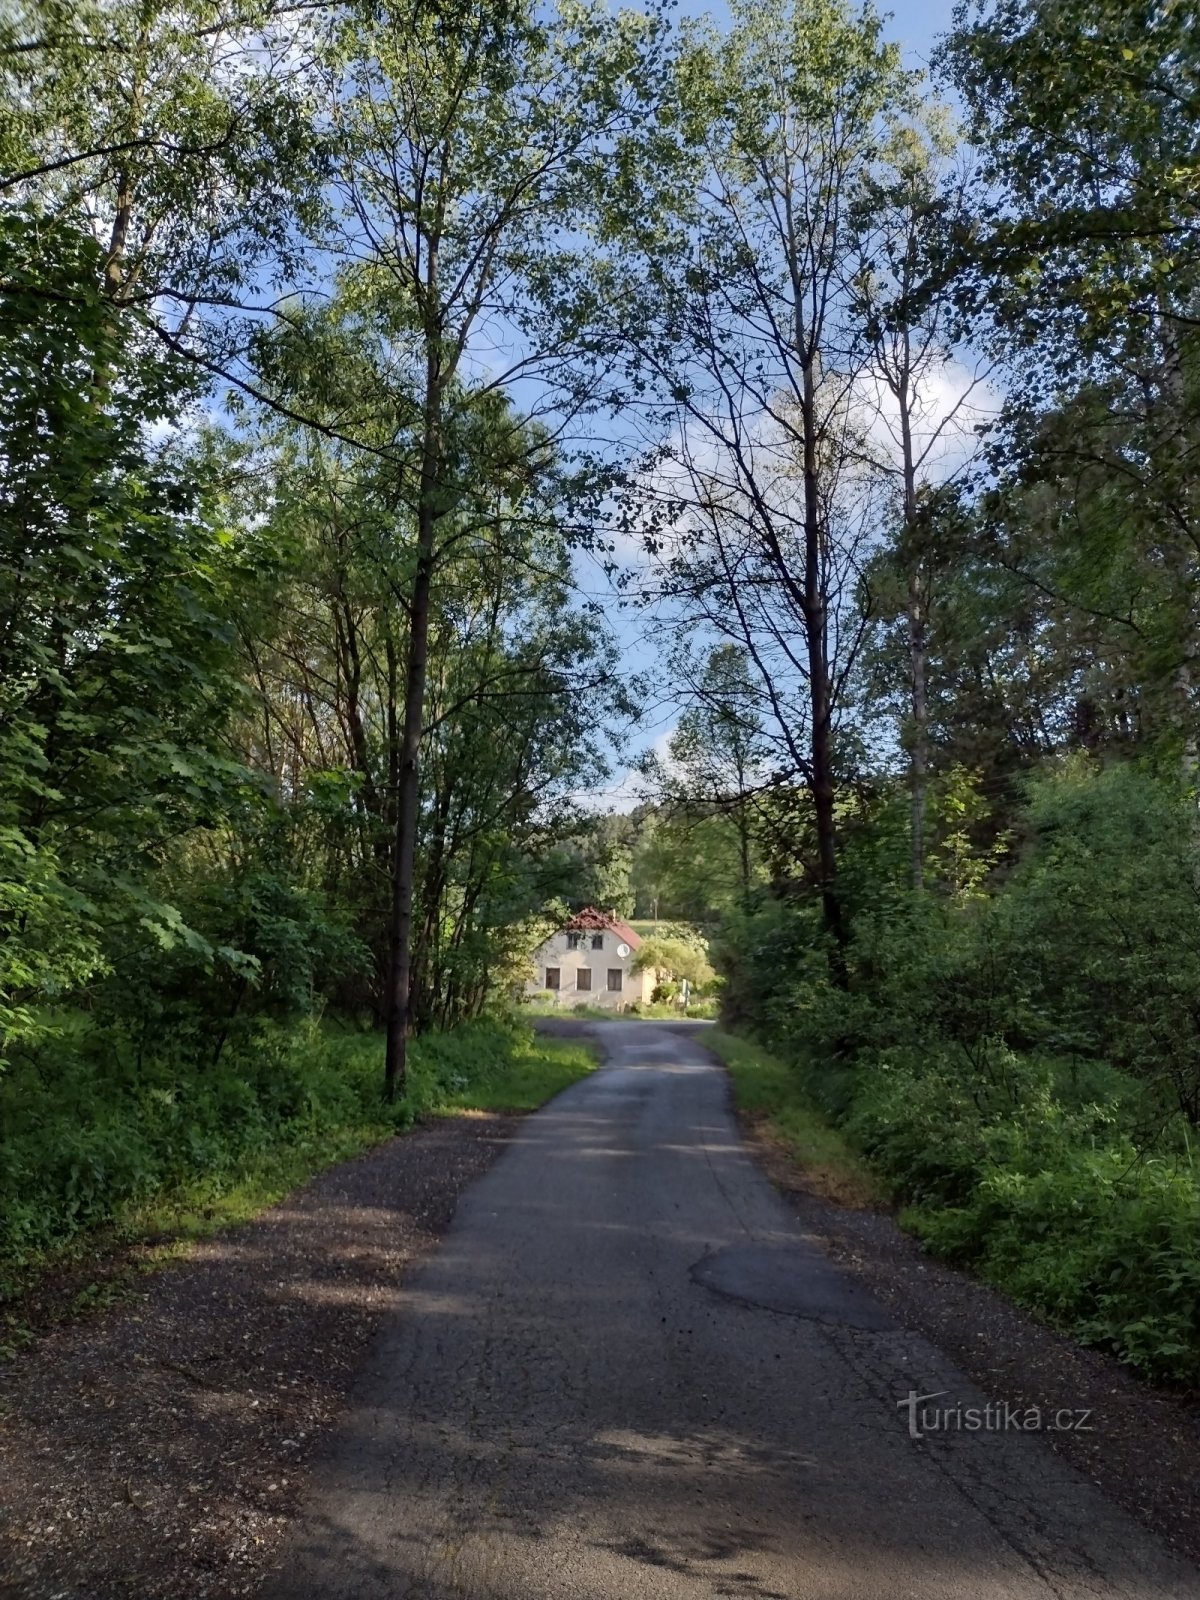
590,917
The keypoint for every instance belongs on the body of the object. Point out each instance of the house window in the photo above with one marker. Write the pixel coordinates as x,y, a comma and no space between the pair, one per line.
573,941
597,941
615,979
553,974
583,978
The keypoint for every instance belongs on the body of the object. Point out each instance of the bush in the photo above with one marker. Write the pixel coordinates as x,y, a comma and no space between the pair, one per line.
1018,1053
674,960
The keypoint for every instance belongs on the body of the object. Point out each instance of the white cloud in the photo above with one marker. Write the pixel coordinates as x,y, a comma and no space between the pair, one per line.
952,401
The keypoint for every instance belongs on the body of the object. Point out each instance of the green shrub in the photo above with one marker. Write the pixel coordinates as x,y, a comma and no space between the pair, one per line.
1101,1243
1017,1053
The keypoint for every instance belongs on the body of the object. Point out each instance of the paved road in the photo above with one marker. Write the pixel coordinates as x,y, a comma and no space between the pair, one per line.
583,1395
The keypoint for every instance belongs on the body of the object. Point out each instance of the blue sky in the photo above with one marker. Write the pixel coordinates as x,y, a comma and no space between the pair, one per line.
916,24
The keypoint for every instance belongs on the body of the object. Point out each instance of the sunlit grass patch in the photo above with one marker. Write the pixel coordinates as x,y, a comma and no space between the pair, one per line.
771,1094
532,1075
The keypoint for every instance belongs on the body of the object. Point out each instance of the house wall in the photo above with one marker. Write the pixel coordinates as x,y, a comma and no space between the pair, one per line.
555,952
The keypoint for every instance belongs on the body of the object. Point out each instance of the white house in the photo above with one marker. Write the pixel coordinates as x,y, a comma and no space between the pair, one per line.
589,961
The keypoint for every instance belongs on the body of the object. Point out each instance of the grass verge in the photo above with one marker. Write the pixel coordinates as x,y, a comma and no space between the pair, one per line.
201,1174
791,1131
1035,1188
640,1011
535,1073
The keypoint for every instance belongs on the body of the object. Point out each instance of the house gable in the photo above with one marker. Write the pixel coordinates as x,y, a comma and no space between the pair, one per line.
589,961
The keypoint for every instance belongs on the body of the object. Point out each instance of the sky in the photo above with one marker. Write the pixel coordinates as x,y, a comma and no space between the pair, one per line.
916,24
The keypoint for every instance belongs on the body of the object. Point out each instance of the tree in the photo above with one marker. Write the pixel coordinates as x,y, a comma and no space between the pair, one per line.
1085,261
521,688
181,138
717,755
118,676
156,161
673,960
647,875
763,516
592,863
911,212
1087,241
471,148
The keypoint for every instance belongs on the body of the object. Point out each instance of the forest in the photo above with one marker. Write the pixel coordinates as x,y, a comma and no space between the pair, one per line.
401,403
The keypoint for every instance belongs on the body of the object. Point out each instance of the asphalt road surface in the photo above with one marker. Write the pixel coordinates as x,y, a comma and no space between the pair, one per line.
626,1376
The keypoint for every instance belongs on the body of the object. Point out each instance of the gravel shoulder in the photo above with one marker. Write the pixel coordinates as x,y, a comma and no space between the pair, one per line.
1142,1447
158,1448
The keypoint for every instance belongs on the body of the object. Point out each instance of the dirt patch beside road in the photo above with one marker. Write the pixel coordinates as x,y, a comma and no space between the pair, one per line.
157,1449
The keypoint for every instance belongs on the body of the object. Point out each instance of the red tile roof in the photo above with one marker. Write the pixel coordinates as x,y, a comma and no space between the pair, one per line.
589,919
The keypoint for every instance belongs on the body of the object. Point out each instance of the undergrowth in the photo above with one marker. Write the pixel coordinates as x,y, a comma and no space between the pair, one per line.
100,1141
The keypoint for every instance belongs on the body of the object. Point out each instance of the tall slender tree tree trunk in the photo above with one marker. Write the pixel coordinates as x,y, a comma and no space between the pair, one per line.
816,622
744,856
918,754
918,759
408,806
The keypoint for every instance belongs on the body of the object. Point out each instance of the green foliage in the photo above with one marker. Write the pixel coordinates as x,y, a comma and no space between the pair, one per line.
502,742
182,133
675,959
1082,267
697,854
1015,1056
117,664
1084,237
486,1067
1044,1196
688,863
592,865
204,682
102,1134
1109,911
